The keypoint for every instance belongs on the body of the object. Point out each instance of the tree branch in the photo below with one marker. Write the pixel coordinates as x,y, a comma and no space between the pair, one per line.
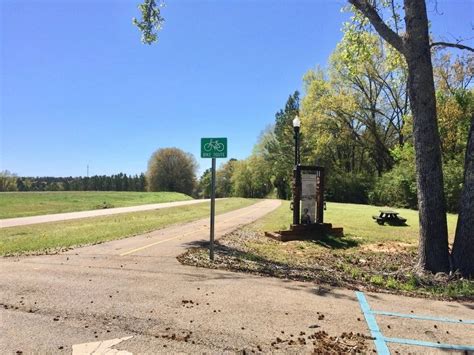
380,26
452,45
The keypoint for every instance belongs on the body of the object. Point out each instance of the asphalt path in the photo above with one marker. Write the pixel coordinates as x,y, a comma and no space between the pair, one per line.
23,221
133,293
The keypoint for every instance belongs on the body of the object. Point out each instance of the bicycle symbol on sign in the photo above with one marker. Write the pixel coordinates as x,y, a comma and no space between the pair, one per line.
214,145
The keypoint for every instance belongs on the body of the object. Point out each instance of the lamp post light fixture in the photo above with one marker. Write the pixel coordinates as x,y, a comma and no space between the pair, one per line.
296,128
296,173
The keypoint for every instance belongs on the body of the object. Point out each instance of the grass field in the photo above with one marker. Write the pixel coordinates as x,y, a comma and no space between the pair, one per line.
357,222
50,237
22,204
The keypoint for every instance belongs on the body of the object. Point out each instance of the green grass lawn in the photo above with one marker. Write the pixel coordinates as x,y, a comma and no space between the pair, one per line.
22,204
49,237
357,222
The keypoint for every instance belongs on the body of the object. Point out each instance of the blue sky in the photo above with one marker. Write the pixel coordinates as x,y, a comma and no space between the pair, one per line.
78,88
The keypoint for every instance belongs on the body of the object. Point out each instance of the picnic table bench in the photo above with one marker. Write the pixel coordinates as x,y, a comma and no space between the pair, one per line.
391,217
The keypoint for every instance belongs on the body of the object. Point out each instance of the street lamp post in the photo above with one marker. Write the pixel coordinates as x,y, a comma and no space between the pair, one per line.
296,173
296,128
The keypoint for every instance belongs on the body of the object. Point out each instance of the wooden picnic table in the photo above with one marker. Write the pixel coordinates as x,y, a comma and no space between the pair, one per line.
389,216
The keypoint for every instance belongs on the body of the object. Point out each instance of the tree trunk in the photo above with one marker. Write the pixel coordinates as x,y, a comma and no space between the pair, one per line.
433,242
463,248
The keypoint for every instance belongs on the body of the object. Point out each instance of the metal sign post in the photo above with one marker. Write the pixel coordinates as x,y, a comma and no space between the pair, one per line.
213,148
213,207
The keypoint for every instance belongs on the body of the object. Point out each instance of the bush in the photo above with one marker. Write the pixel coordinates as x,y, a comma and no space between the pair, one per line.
353,188
7,181
453,181
396,188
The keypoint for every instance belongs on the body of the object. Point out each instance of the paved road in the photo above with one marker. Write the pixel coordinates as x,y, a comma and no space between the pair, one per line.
135,288
23,221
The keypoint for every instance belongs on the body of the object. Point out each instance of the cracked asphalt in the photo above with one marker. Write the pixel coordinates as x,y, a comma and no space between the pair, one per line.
136,287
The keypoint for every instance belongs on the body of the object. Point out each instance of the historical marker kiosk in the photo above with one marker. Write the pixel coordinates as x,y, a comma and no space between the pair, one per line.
311,184
308,201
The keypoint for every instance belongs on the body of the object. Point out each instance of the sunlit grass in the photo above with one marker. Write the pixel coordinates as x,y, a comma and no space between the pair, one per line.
357,222
22,204
41,238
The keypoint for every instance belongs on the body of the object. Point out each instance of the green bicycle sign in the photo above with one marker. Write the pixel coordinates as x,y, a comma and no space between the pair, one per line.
213,147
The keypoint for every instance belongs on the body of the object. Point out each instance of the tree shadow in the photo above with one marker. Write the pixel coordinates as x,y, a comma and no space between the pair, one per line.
234,257
393,223
316,279
249,262
333,242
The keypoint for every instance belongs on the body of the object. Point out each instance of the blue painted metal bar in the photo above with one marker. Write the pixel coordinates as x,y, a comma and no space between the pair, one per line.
429,344
422,317
379,341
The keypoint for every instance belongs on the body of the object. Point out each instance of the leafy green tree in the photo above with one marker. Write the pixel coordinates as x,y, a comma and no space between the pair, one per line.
454,102
171,169
455,107
354,114
204,185
151,20
374,83
8,181
224,179
242,179
336,138
142,182
251,177
278,147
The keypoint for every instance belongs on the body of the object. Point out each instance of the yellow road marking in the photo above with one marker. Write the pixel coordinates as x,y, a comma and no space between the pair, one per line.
155,243
179,236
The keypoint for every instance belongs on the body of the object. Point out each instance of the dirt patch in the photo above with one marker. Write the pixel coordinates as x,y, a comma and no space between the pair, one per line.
388,247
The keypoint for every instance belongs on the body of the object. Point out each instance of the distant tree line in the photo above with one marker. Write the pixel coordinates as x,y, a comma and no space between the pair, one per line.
116,182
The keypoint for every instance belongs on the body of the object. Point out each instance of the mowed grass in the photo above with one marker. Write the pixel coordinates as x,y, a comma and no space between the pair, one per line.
23,204
50,237
357,223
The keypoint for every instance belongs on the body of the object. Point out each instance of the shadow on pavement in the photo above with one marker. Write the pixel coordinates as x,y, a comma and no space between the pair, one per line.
235,260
